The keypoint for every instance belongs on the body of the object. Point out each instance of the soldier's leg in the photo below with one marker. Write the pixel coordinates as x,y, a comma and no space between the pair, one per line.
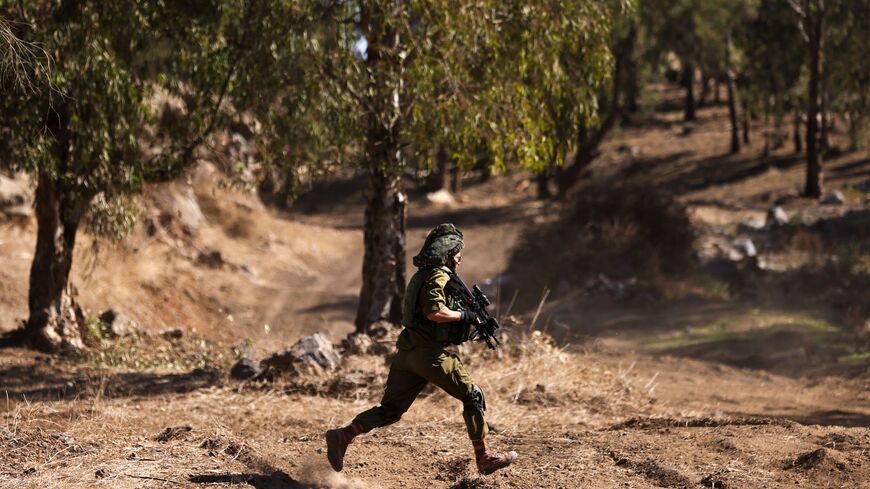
445,370
401,390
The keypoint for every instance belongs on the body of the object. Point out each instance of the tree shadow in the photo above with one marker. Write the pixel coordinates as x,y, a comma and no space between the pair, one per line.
275,480
346,304
35,382
468,217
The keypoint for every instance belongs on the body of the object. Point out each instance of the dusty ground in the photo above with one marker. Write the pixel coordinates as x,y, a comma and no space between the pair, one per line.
694,390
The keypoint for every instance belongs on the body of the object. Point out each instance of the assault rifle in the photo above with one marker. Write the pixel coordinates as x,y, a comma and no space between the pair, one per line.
474,300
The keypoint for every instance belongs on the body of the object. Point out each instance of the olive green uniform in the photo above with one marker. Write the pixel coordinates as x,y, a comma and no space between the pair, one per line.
421,358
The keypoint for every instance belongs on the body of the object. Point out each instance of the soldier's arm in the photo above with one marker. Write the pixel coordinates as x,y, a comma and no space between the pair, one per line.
444,315
434,300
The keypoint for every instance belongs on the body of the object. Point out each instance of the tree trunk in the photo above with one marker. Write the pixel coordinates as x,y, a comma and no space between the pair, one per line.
717,97
689,85
732,99
56,321
455,179
796,134
438,176
383,270
383,273
814,24
747,116
705,90
824,139
543,181
589,141
765,152
732,115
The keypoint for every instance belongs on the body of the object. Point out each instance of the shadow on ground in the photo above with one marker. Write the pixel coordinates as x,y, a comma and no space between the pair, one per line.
36,382
275,480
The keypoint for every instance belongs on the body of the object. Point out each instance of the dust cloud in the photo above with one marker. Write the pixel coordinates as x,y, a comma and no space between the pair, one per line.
318,473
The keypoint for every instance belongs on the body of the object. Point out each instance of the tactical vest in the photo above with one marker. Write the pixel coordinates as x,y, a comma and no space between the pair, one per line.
412,316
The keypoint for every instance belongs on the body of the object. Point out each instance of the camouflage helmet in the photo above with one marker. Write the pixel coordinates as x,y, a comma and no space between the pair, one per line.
441,243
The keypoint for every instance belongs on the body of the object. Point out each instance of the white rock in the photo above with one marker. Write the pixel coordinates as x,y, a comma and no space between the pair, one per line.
441,197
745,246
834,198
776,216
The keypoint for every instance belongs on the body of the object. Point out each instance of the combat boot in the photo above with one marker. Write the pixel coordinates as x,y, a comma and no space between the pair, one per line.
489,461
337,441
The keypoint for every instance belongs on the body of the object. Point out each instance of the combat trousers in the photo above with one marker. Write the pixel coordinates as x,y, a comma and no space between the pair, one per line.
410,371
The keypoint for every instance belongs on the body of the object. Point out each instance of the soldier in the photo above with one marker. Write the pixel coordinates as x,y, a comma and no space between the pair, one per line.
431,323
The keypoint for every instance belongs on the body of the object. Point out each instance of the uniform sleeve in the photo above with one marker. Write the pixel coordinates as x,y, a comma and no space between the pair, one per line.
432,297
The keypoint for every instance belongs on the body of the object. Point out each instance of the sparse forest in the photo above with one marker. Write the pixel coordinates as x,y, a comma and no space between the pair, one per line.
209,209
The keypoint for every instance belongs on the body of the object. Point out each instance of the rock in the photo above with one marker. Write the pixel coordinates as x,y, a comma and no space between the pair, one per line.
834,198
178,202
745,246
118,324
776,217
628,149
210,259
357,344
246,126
245,369
813,459
15,201
441,197
751,225
381,348
172,333
312,354
173,432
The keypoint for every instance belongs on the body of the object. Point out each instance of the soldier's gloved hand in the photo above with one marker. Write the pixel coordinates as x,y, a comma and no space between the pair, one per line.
469,317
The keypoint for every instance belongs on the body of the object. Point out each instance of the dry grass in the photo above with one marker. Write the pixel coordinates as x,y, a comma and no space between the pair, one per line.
103,439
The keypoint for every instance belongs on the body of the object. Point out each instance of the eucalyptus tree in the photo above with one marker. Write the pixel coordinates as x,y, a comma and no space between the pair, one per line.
86,138
812,18
370,83
846,84
772,60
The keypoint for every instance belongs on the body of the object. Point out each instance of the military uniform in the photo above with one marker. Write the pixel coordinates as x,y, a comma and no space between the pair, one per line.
421,358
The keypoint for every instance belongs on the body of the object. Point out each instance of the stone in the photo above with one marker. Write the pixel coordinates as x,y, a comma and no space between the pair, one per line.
745,247
173,432
357,344
441,197
178,202
310,355
834,198
776,217
172,333
15,201
245,369
750,225
118,324
210,259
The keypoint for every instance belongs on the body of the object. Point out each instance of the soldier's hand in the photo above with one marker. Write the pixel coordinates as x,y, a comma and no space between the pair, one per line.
469,317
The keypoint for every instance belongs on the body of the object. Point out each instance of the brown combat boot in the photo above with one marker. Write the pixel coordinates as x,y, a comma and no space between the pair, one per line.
336,444
488,461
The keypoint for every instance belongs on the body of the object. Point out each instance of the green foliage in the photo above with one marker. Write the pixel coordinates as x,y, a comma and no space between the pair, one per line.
772,54
87,132
463,75
847,58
